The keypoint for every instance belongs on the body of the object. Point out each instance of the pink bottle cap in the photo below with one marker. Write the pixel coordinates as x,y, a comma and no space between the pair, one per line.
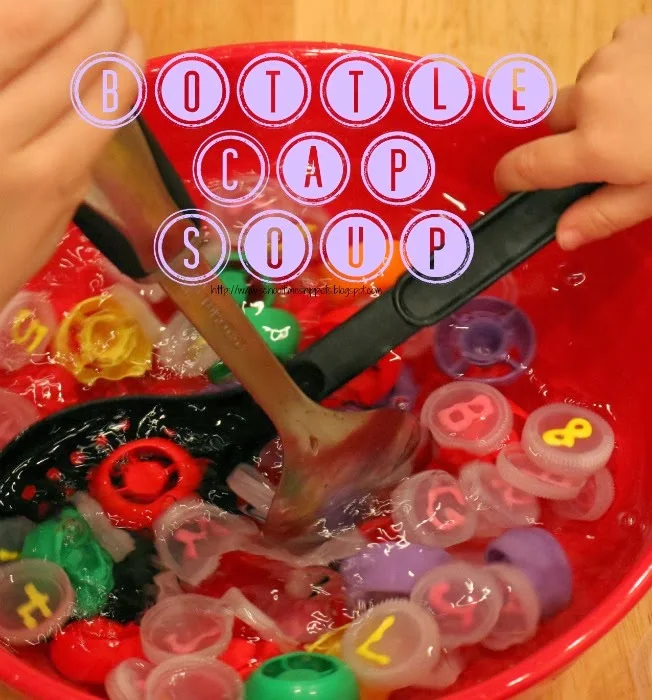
27,324
568,440
187,624
499,504
16,414
465,601
37,598
432,510
468,416
392,645
519,617
118,543
182,350
192,535
193,678
446,672
517,469
593,501
138,308
127,680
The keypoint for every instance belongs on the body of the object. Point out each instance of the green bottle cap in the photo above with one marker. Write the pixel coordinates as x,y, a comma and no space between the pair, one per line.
279,329
69,542
235,282
218,372
302,675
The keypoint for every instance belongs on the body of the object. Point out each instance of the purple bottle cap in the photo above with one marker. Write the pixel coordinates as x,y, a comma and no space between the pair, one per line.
382,571
485,333
404,394
541,558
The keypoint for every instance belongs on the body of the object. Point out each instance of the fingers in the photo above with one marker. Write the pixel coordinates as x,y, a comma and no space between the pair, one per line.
608,210
548,163
42,90
562,116
29,29
68,150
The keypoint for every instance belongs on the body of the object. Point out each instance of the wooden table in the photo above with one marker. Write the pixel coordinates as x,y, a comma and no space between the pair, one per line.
563,33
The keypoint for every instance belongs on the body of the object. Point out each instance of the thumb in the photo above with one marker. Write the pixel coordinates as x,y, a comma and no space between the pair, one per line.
548,163
604,212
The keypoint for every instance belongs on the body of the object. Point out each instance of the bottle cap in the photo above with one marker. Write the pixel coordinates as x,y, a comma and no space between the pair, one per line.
465,601
431,509
27,324
450,667
541,558
468,416
69,542
392,645
383,571
302,675
253,488
256,619
37,598
187,624
13,532
140,479
118,543
405,392
487,340
521,611
278,328
191,536
516,468
497,502
185,677
592,502
16,414
127,680
136,306
183,350
568,440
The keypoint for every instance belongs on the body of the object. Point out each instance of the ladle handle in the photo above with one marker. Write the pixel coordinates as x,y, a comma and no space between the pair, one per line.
503,238
135,190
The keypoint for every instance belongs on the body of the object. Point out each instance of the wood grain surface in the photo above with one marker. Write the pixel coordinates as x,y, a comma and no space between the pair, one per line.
563,33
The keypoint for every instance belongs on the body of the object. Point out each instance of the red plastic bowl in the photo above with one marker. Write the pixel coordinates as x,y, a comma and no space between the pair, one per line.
592,313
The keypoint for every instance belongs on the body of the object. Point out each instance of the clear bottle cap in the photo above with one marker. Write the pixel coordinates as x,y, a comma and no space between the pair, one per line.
519,617
118,543
193,678
192,535
497,501
392,645
187,624
593,501
36,597
127,680
465,601
431,509
568,440
468,416
516,468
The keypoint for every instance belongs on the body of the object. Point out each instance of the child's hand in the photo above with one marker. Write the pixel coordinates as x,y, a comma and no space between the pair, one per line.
603,128
46,149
